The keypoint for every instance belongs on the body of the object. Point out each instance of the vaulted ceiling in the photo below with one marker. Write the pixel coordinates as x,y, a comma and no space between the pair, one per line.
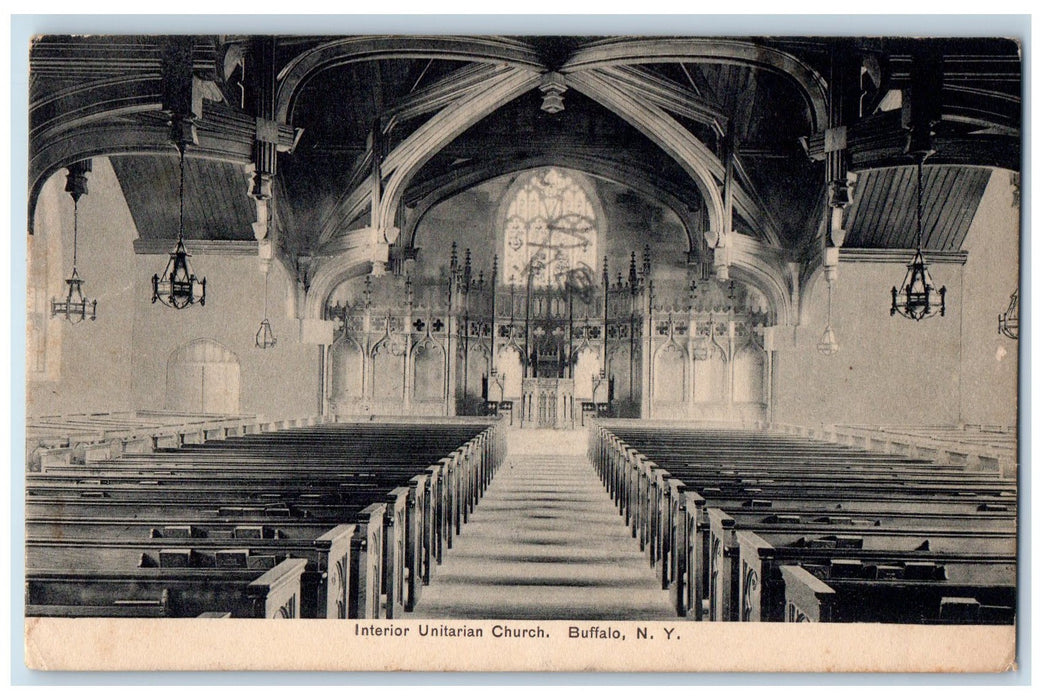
371,132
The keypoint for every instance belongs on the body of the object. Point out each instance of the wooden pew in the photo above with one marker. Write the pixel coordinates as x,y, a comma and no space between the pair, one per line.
739,558
399,554
669,518
373,513
409,533
331,556
821,597
166,592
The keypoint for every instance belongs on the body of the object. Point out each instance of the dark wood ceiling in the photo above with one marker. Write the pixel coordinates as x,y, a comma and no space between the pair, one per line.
216,205
883,212
110,89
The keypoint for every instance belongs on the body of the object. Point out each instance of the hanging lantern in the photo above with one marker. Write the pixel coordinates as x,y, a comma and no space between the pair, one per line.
178,286
1009,322
265,337
828,345
75,307
917,297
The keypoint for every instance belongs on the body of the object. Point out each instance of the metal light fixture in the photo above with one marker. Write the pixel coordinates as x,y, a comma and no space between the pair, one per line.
828,345
178,286
917,298
75,306
265,338
1009,322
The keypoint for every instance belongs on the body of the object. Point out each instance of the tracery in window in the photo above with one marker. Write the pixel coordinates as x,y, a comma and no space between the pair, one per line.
550,233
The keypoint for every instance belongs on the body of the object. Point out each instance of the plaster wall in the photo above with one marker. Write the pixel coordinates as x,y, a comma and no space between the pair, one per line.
119,361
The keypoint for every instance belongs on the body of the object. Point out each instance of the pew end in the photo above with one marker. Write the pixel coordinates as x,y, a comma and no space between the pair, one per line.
807,598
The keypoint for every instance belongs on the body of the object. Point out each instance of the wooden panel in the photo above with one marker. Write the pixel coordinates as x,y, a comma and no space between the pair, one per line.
217,202
883,214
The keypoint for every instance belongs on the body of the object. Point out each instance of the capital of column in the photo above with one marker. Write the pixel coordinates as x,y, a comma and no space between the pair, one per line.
720,242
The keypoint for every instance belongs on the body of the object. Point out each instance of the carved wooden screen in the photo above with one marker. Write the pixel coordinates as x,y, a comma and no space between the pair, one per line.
346,368
510,369
711,377
428,371
748,375
670,375
388,372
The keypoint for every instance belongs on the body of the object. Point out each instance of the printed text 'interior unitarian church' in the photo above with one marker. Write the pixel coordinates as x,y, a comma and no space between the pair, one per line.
583,328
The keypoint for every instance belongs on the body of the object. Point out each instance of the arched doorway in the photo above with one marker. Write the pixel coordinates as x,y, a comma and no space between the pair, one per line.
202,377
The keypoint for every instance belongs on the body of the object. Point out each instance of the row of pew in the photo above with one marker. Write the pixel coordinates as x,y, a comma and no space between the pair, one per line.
974,447
67,439
748,525
329,521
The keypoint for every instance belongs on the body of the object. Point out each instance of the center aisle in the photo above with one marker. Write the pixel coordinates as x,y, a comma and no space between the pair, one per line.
545,542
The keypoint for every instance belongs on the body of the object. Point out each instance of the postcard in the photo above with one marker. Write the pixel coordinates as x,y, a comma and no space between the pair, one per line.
523,353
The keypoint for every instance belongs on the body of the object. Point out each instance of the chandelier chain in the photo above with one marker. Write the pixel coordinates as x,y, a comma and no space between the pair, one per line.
265,294
181,194
919,205
75,229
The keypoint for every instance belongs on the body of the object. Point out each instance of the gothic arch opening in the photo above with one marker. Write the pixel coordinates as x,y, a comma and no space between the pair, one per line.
202,376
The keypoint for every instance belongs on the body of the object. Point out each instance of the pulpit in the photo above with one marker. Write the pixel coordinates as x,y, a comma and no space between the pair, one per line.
547,402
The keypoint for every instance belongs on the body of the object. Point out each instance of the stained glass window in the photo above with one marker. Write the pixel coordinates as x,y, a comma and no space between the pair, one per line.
550,233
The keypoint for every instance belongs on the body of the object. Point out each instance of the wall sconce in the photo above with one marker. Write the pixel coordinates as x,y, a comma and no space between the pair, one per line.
1009,322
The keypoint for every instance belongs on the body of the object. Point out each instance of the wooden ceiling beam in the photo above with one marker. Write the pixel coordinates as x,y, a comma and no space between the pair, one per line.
224,134
70,58
440,94
881,141
613,52
670,96
687,148
342,50
401,163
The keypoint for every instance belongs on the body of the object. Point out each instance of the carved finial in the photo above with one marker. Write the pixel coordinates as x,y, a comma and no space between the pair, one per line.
646,269
367,291
633,269
408,289
604,273
553,88
453,258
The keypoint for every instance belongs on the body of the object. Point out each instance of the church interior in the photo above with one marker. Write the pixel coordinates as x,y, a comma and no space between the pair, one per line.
531,327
